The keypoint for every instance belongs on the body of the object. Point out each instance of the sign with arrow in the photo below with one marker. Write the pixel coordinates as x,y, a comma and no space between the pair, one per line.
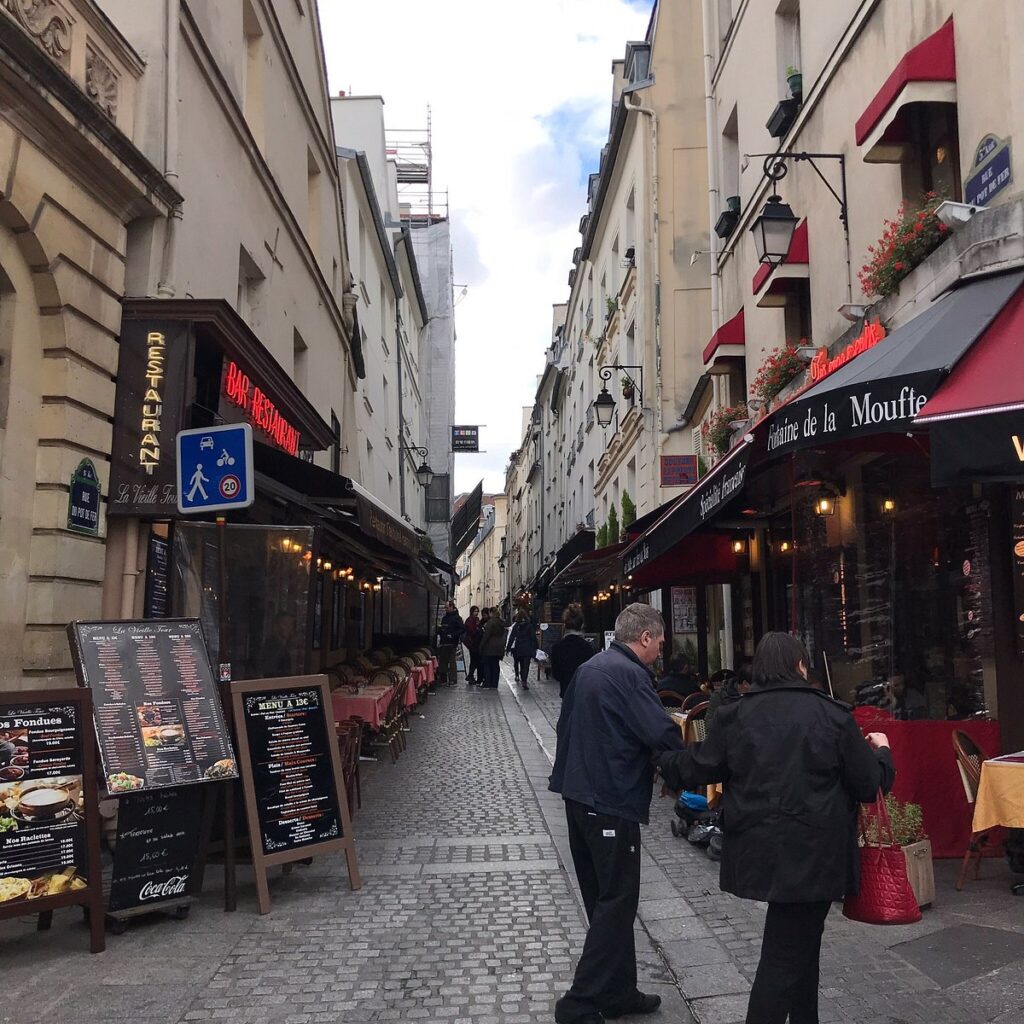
215,471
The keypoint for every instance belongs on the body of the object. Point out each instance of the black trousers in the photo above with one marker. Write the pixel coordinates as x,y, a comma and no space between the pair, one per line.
786,983
606,855
522,667
473,672
490,671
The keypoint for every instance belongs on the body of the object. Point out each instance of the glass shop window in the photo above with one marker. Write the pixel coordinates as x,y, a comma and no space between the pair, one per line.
266,587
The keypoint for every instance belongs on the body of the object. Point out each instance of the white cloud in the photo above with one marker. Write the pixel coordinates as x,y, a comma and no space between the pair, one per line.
520,99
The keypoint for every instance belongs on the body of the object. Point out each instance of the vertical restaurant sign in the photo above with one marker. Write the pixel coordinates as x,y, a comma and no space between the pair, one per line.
152,371
84,499
678,470
991,171
1017,540
43,850
465,439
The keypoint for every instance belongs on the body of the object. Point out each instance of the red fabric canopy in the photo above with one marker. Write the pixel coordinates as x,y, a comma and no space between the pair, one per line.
932,60
700,557
989,378
732,332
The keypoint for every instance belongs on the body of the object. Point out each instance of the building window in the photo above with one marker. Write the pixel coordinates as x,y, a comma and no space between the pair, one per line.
438,499
787,41
336,444
362,249
724,21
313,202
300,361
250,288
631,223
931,153
252,70
798,311
730,184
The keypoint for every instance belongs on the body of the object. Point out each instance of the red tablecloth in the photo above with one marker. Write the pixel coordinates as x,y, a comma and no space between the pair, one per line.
371,705
927,773
411,696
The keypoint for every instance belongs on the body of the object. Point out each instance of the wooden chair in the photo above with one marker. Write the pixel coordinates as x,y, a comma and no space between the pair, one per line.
969,757
671,699
379,657
350,743
395,723
695,730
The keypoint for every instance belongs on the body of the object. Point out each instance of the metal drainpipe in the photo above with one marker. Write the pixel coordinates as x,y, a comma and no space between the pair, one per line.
165,286
401,421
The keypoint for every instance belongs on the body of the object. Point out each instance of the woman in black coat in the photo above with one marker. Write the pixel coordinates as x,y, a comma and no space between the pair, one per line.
572,650
794,766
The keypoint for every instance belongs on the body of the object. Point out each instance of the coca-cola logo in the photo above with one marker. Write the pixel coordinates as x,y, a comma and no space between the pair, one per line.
174,886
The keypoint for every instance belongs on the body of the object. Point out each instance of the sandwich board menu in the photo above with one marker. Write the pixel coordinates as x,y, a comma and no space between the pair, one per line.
156,851
291,774
49,827
155,703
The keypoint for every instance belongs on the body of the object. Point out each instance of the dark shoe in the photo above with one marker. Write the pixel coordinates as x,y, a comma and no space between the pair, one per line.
526,685
587,1018
640,1003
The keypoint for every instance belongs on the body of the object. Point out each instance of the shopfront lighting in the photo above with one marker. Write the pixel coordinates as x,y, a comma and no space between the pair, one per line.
785,547
604,408
825,506
888,506
327,566
773,231
739,546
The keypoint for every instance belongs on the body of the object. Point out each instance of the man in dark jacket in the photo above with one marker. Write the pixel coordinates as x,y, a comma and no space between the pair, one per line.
611,724
471,638
451,630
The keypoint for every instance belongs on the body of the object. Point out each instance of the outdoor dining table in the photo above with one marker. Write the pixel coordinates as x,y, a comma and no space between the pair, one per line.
1000,799
369,704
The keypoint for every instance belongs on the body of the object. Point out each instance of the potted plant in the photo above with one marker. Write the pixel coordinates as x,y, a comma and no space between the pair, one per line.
612,305
720,426
795,81
908,832
733,203
907,240
728,218
628,389
781,366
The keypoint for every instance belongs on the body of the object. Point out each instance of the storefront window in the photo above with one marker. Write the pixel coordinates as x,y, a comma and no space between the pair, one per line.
267,583
888,585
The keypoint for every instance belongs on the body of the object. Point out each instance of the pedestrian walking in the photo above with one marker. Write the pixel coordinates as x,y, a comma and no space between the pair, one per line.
795,767
452,628
492,647
522,645
471,638
572,650
610,727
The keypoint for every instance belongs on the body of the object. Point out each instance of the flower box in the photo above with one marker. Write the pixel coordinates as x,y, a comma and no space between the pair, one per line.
782,118
726,223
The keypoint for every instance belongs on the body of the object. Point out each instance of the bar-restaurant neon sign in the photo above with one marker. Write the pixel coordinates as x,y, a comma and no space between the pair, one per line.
152,402
259,409
821,366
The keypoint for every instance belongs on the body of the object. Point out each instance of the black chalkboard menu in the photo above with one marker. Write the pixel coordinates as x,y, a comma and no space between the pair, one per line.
49,826
291,774
157,576
157,711
156,849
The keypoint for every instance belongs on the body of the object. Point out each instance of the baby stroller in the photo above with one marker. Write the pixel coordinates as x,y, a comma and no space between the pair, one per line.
695,817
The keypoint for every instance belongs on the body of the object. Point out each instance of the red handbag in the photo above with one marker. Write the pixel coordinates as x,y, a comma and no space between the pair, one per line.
885,895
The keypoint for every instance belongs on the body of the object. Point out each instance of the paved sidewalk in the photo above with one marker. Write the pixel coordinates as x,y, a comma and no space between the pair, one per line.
962,964
466,914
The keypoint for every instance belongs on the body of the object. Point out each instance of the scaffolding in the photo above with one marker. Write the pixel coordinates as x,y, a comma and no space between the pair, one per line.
410,149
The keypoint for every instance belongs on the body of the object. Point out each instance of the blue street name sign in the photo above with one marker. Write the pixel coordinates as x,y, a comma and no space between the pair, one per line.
215,468
84,499
991,173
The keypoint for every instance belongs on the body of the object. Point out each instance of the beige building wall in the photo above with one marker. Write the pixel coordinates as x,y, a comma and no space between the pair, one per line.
846,50
71,184
481,577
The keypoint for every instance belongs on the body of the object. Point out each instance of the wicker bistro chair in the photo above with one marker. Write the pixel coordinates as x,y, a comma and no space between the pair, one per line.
671,699
379,657
969,757
692,700
695,730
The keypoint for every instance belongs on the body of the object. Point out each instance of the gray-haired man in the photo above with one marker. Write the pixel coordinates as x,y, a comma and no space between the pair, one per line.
611,724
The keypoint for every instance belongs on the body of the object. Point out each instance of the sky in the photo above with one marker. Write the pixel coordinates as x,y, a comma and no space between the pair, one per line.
520,99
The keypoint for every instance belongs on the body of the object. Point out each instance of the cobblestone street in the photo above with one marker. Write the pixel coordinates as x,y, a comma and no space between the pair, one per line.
468,914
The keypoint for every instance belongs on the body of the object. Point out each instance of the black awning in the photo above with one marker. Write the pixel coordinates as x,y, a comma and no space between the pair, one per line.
883,389
579,543
594,568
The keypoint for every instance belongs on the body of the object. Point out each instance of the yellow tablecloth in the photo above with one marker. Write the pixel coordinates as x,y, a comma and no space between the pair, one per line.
1000,795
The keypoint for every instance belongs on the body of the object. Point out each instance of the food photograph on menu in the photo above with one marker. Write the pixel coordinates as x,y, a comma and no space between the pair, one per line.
42,813
158,713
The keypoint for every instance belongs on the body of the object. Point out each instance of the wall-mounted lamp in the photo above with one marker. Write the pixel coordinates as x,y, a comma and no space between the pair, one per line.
825,505
888,506
785,547
739,545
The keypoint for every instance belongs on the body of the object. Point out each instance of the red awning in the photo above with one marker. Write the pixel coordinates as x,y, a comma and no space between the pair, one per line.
732,332
799,253
932,60
990,377
705,556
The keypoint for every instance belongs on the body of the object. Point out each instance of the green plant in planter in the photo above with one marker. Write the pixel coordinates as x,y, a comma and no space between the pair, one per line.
702,466
907,824
628,511
628,389
601,537
781,366
612,304
613,526
719,427
795,81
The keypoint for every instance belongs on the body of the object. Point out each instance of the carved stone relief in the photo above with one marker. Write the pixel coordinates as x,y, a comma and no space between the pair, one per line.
47,22
100,83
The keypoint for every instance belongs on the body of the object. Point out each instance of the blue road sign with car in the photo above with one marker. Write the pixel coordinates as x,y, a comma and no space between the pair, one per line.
215,470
